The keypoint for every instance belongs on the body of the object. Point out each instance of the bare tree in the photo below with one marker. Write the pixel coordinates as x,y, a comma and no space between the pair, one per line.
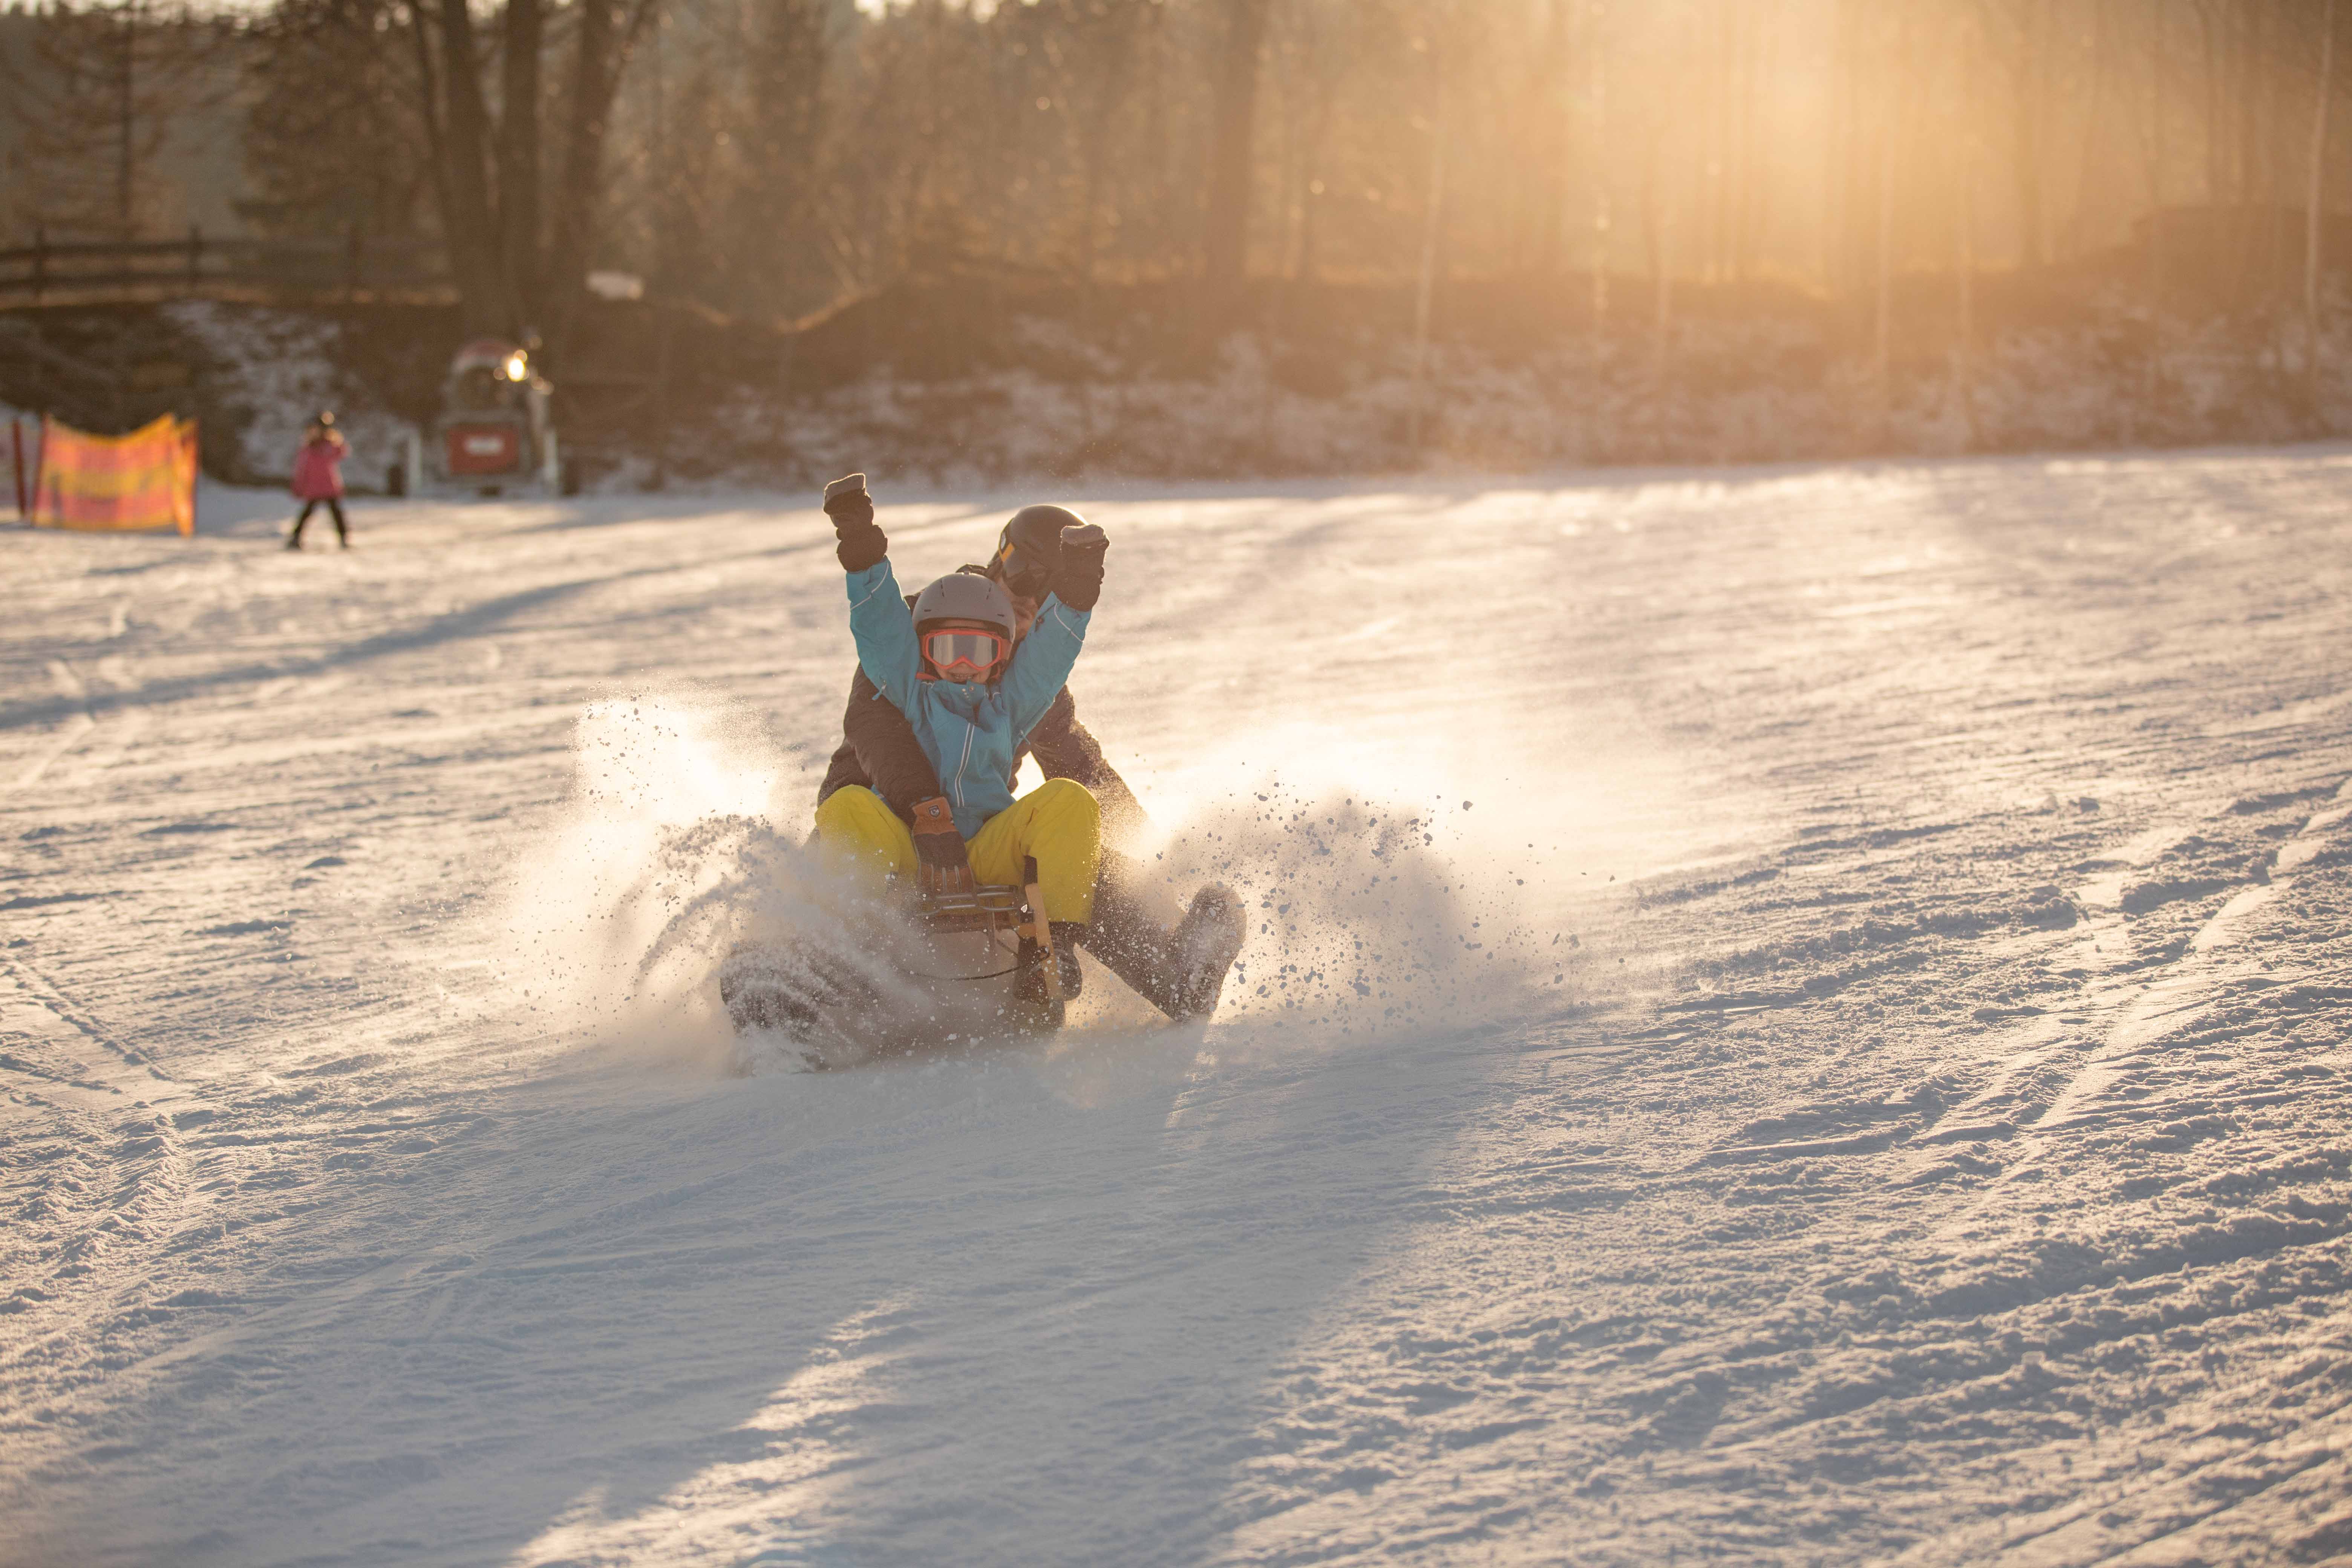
606,34
457,119
2029,58
789,152
1107,37
325,164
1892,123
1596,53
1658,218
1547,128
93,104
1432,233
1224,244
517,153
2088,188
1969,42
783,55
2314,194
2212,24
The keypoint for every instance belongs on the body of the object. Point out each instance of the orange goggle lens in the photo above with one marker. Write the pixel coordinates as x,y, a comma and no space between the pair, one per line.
969,649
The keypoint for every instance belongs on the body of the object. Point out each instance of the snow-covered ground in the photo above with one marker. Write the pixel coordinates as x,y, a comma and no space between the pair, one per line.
1795,1015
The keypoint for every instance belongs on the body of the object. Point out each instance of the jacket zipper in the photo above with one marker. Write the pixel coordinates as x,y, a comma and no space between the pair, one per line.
962,762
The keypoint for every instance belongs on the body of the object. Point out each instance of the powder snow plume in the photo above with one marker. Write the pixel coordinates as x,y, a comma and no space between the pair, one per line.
620,913
667,856
1367,918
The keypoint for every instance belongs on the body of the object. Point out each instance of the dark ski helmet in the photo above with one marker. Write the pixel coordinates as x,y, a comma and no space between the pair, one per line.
964,626
1030,548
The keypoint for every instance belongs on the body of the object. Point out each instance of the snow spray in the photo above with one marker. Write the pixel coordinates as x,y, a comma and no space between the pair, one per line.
669,808
668,858
1368,919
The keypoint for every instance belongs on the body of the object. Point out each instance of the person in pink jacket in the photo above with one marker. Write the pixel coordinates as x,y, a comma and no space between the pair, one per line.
318,477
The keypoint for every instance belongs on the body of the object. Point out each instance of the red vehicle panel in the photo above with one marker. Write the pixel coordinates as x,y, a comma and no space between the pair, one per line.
485,450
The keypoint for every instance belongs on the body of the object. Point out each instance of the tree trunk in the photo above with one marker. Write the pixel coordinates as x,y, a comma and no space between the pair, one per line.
1225,247
1313,127
1965,359
468,223
124,214
428,83
1551,193
783,60
2252,186
2086,179
1315,135
2313,192
1097,156
518,156
1599,92
1854,237
608,31
1890,133
2217,140
1714,193
1432,224
1657,212
1834,164
2157,147
2032,70
1739,40
1755,181
1883,317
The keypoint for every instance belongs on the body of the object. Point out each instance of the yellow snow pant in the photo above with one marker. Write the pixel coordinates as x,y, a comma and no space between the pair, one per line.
1058,822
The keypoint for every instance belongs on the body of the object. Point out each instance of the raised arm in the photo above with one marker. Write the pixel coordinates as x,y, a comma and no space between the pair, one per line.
878,618
885,631
1043,662
1050,651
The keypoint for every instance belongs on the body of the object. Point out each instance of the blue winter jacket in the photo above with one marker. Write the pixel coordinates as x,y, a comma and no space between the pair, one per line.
971,733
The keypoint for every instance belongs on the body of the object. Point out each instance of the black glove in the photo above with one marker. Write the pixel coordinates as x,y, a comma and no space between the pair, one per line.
1077,576
862,542
942,864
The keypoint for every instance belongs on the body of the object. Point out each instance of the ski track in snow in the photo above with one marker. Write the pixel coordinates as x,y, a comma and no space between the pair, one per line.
1796,1015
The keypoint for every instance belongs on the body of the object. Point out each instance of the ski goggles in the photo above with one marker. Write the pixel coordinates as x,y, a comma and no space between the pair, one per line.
963,648
1023,577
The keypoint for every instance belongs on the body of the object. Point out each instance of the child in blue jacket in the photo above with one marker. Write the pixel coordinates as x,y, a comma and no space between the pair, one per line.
950,663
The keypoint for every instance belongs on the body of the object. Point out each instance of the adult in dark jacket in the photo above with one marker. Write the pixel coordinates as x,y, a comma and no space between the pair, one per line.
1180,970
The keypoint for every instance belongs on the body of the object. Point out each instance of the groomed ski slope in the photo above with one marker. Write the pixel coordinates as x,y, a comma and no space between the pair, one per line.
1794,1015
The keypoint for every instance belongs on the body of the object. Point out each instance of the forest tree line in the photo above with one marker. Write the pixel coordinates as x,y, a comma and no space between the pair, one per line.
769,157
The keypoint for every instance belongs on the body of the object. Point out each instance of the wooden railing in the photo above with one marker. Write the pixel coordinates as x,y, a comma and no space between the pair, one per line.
356,266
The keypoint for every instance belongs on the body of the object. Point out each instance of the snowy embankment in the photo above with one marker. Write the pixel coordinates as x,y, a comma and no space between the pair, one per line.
1799,1014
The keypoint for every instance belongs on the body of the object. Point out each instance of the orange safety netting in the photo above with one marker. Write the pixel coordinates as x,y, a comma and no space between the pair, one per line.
144,480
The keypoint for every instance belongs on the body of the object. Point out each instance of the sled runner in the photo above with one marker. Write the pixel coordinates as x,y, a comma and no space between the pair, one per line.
964,967
995,914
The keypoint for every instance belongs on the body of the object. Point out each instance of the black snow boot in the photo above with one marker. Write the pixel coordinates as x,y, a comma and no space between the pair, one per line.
1031,986
1181,971
1127,936
765,987
1067,935
1206,941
